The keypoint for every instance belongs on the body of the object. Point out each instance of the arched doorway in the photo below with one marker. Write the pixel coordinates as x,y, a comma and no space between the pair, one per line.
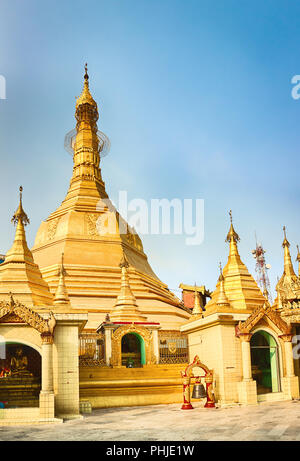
133,350
265,362
20,376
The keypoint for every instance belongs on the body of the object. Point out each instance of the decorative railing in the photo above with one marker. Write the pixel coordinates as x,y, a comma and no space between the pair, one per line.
91,349
173,347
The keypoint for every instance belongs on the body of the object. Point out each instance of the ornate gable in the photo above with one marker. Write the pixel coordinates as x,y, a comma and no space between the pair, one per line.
264,311
15,312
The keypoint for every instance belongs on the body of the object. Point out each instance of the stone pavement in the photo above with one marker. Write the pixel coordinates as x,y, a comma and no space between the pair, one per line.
266,421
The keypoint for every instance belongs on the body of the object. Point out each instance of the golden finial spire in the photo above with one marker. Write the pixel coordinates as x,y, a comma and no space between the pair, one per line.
232,235
20,214
61,295
232,238
288,265
285,241
19,251
86,97
197,306
222,298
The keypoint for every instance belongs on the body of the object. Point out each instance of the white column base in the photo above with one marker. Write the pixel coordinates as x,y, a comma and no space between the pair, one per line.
247,392
290,387
46,405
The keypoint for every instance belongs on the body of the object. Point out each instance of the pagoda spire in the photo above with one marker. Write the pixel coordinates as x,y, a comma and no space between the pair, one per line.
298,259
288,265
242,291
222,299
197,310
19,250
86,97
232,238
19,273
86,146
61,296
126,308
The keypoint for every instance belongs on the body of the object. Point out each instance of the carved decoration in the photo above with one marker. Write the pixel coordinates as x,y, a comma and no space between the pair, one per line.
15,310
263,311
91,224
51,230
291,316
116,359
11,318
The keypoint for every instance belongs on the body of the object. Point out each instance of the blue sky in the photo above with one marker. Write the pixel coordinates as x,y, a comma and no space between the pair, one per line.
195,97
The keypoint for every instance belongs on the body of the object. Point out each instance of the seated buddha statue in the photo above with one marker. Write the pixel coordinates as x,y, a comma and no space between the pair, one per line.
19,364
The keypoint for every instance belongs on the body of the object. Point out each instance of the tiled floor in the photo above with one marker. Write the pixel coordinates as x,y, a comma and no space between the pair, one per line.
266,421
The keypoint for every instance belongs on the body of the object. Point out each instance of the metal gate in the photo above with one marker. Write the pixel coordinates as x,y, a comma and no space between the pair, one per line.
173,347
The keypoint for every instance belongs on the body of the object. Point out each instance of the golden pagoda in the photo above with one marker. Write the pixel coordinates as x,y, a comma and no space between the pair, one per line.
126,308
288,286
236,288
78,229
18,273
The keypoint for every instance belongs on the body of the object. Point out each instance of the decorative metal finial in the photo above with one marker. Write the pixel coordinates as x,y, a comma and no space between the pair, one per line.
86,75
221,277
232,234
285,241
20,214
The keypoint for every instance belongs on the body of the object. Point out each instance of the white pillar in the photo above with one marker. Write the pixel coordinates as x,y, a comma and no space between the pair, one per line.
155,344
289,360
47,392
290,382
246,357
108,348
247,391
47,367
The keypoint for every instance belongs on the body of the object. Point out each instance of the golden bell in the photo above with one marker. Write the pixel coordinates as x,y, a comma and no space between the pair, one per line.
199,391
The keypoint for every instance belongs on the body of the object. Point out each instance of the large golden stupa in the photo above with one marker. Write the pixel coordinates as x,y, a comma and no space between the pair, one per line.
91,254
